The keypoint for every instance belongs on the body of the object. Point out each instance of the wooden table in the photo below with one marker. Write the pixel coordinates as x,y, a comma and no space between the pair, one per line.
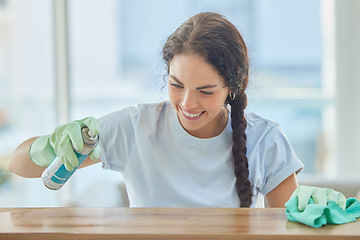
161,223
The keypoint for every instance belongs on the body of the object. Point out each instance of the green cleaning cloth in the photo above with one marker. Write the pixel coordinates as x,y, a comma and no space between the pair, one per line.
316,207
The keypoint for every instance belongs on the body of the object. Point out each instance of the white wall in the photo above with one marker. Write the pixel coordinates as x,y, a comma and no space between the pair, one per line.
347,58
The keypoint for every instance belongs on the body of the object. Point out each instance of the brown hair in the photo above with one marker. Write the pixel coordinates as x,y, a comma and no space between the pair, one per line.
218,41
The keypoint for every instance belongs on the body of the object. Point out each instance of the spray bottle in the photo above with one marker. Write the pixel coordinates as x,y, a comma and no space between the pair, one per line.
56,175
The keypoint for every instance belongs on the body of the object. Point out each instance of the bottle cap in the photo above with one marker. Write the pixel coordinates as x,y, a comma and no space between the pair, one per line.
88,137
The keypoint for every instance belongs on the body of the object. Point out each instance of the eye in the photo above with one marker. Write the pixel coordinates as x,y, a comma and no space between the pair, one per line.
175,85
207,93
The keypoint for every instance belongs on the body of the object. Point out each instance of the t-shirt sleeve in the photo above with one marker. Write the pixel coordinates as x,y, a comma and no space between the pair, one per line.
116,143
276,160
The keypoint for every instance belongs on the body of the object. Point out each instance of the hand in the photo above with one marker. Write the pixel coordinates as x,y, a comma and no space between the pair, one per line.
60,143
321,196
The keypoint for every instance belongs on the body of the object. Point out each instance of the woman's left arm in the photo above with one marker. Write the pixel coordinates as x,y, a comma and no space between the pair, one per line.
281,194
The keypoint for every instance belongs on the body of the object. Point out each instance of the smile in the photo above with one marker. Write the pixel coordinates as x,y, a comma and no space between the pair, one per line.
191,115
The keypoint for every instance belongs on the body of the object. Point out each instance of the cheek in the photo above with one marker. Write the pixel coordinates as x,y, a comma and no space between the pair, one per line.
173,96
218,101
213,105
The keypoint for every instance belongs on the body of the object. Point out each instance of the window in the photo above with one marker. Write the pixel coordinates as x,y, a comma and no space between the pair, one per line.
26,90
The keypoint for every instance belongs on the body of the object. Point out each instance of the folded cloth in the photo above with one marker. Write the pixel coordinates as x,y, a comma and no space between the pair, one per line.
319,214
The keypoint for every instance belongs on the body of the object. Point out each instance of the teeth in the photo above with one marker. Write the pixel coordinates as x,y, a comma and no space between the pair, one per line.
192,115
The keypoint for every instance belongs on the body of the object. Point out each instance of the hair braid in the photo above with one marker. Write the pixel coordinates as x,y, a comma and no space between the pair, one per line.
238,124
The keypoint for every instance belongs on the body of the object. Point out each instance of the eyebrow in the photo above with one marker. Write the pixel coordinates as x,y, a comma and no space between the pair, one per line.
198,88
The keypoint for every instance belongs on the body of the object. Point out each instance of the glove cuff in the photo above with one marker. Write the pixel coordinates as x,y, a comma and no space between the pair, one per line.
41,152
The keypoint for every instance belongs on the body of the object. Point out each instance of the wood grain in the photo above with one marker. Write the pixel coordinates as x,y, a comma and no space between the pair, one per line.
161,223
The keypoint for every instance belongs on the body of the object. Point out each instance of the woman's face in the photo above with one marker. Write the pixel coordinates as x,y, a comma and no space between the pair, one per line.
198,93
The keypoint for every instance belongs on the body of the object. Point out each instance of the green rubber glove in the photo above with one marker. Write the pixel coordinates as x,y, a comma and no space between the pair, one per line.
320,196
60,143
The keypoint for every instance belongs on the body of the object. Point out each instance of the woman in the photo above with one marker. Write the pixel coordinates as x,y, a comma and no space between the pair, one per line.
200,149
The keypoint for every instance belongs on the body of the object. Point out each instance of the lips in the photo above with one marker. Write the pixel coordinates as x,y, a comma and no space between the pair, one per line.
191,115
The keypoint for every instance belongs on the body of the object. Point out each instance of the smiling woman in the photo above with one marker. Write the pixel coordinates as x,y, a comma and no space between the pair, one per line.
208,50
200,149
199,97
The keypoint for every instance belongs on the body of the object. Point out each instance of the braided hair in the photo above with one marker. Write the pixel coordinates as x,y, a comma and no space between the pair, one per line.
218,41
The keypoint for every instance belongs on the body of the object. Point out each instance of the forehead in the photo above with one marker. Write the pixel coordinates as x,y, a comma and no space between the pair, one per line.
192,68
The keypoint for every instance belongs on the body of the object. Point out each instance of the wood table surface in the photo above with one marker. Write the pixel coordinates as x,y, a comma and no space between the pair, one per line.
162,223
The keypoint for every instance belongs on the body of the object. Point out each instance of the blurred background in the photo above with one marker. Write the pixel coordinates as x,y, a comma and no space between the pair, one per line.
65,60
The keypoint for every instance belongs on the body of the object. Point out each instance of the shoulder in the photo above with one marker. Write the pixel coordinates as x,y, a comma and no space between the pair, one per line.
135,114
149,112
266,142
258,127
150,108
270,154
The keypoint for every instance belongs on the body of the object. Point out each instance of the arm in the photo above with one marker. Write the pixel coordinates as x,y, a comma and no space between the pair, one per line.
32,157
21,164
281,194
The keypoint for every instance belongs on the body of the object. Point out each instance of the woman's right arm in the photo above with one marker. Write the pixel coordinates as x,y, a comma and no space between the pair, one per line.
21,163
61,142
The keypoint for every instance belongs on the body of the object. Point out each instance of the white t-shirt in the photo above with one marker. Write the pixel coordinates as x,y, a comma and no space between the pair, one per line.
164,166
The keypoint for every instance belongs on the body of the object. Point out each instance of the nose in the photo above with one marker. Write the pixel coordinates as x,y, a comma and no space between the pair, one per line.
189,100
